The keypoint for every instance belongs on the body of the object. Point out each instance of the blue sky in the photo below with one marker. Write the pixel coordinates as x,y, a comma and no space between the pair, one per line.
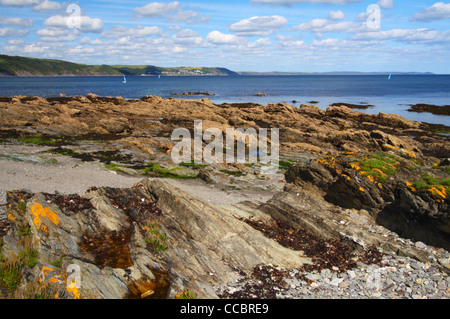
242,35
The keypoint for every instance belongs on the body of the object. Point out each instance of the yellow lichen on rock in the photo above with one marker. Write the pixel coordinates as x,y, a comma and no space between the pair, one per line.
410,186
39,212
439,191
72,287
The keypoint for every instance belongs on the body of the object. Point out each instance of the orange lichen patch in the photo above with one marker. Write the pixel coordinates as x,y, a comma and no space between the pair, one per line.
40,212
361,189
390,147
410,186
346,176
43,273
72,287
12,217
328,161
55,279
408,153
439,191
380,171
401,151
46,268
355,166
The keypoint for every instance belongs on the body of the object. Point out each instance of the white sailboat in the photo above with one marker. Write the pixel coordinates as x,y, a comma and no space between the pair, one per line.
124,79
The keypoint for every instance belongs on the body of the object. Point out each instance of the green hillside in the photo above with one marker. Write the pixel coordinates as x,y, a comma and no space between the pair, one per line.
22,66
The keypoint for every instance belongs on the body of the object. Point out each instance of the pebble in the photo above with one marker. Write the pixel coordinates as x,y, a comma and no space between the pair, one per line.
398,277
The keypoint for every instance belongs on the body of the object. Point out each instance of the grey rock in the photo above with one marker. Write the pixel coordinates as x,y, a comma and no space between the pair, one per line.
420,245
313,277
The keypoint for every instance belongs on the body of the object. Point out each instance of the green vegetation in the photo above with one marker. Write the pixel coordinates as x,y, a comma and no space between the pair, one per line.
155,237
187,294
29,257
285,165
23,66
23,231
57,262
38,140
430,181
194,165
115,167
165,172
378,166
40,291
10,274
232,173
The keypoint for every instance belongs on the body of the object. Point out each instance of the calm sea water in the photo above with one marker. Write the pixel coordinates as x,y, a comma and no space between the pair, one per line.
389,96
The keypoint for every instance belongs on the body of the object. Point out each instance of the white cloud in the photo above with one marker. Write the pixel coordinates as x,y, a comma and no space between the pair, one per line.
87,24
48,6
336,15
288,2
15,42
87,40
29,49
407,35
157,9
17,22
55,34
324,25
187,37
190,17
119,31
337,44
8,32
178,49
386,4
19,3
217,37
260,43
437,11
259,26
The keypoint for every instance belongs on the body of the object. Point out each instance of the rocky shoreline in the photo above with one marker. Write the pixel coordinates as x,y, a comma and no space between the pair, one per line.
358,209
433,109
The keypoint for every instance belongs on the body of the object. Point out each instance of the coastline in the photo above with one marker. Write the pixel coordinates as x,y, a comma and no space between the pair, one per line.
387,96
358,179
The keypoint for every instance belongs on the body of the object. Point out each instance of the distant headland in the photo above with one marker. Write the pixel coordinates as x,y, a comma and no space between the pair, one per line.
24,66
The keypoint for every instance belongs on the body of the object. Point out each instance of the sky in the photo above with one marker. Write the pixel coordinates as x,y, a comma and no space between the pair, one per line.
242,35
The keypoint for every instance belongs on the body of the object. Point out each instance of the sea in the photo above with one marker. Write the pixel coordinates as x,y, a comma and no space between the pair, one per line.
388,95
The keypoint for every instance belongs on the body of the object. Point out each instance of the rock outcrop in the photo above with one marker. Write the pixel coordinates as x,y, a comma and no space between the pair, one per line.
351,181
128,241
